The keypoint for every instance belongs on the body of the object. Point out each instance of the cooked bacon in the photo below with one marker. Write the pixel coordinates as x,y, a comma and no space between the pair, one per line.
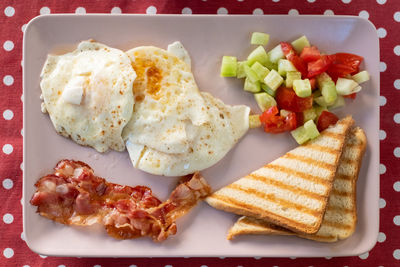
73,195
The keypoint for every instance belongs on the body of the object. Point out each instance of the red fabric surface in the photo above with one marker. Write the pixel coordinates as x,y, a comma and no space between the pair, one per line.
13,16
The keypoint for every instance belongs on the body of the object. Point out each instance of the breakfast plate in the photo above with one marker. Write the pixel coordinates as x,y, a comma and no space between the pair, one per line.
202,232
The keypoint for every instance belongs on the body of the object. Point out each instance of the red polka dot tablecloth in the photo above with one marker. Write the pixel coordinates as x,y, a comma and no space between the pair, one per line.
384,14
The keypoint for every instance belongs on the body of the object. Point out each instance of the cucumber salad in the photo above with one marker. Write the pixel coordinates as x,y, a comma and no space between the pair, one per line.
295,85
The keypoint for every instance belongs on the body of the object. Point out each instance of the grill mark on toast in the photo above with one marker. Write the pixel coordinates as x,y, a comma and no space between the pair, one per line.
341,193
256,210
338,209
349,161
280,184
337,136
322,148
338,225
311,161
299,174
345,177
279,201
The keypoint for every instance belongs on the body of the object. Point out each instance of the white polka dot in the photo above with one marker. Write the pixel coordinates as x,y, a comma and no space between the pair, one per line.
381,32
80,10
8,80
8,45
382,168
381,237
222,11
8,253
396,220
293,258
21,166
221,258
151,10
396,118
276,1
382,135
203,266
8,218
22,97
311,1
293,12
396,50
8,114
328,12
186,10
240,0
44,10
168,265
364,14
396,186
23,236
42,256
382,66
8,183
8,149
22,132
26,266
257,258
396,152
382,100
23,28
346,1
328,258
116,10
258,11
61,265
382,203
132,265
396,254
396,84
364,256
381,2
22,201
9,11
396,16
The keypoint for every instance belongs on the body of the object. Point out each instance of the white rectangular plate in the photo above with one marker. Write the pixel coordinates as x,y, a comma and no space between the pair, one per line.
207,38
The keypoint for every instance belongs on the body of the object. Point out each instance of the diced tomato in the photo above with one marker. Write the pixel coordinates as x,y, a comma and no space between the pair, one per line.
344,64
310,53
287,99
313,83
319,66
325,120
352,96
297,62
275,123
299,119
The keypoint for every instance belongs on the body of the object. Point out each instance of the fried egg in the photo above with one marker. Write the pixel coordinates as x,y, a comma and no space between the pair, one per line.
176,130
88,94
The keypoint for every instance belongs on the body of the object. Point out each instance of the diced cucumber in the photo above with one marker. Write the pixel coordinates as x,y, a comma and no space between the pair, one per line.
275,54
284,66
338,103
253,87
284,112
302,88
361,77
271,66
254,121
291,76
260,70
300,135
309,114
316,93
300,43
311,129
328,88
321,101
268,90
259,55
251,74
346,86
228,66
318,111
259,38
273,80
264,101
240,69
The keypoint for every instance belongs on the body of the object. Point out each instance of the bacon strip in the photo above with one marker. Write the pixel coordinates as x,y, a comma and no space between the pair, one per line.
73,195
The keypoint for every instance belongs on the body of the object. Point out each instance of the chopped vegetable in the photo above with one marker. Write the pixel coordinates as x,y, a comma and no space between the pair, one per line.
254,121
297,62
260,70
273,80
268,90
311,129
319,66
343,64
228,66
253,87
325,120
361,77
300,43
275,54
291,76
287,99
251,74
310,53
264,101
240,69
338,103
259,55
346,86
302,88
328,88
300,135
309,114
275,123
284,66
259,38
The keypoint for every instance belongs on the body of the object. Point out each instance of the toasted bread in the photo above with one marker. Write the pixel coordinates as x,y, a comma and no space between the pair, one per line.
341,215
291,191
